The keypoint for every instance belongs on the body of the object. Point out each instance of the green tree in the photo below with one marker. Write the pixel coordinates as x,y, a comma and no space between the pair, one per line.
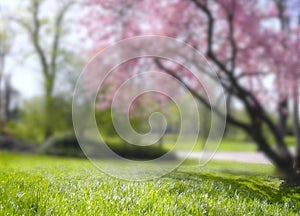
33,123
38,28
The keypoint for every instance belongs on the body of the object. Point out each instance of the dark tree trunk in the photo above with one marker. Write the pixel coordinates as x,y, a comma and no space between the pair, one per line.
49,116
296,127
285,165
49,107
7,99
282,116
297,157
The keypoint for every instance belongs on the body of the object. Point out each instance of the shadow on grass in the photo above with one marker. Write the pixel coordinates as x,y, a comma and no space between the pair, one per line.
262,188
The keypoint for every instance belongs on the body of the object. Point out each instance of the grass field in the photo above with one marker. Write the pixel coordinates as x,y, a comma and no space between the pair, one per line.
224,146
39,185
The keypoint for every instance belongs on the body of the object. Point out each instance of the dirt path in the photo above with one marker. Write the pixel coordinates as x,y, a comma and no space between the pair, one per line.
246,157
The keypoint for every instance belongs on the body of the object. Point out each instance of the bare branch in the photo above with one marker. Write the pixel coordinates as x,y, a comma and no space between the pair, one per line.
36,38
255,73
228,117
57,36
234,49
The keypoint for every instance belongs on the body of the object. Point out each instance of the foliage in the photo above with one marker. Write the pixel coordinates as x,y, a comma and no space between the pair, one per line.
68,146
9,143
130,151
62,146
34,185
32,122
106,126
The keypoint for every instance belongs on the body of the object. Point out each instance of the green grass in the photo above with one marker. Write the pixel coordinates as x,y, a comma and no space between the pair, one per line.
38,185
226,145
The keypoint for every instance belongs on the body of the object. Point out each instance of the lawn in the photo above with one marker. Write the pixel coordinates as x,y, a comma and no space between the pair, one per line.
226,145
39,185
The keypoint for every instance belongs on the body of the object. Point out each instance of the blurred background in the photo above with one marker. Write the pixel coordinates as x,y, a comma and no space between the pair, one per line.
41,58
45,44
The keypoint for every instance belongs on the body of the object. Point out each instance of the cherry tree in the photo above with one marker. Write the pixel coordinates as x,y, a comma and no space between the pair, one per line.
252,45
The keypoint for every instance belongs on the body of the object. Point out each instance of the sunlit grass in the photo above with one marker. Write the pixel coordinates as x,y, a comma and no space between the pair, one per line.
226,145
38,185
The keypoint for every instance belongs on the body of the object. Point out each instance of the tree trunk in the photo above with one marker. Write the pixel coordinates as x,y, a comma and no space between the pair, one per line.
282,116
7,98
296,127
49,109
297,157
48,117
284,165
161,140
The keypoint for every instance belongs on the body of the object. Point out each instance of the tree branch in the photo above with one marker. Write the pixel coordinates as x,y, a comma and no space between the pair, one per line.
231,37
57,36
228,117
36,38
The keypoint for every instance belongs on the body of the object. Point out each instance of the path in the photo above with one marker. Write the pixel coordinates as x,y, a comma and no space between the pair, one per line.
246,157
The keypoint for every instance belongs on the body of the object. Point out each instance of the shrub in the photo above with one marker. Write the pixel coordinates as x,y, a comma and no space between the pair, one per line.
9,143
69,146
31,124
62,146
130,151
